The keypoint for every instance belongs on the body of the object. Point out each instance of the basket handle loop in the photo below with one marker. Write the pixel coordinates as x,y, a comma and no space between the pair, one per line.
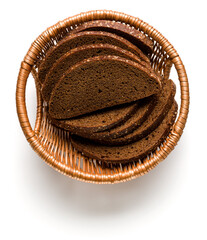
24,72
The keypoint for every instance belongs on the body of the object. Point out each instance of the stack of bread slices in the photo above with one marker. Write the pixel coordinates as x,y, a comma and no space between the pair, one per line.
99,85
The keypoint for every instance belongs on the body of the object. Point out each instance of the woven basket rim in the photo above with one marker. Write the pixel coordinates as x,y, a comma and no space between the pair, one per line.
27,66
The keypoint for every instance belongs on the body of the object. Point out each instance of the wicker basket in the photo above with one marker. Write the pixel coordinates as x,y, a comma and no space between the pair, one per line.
53,145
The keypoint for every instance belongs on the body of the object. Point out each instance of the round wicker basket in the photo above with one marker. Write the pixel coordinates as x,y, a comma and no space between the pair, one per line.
53,145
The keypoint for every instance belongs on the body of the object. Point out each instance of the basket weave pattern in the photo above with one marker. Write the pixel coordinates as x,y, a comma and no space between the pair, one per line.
53,144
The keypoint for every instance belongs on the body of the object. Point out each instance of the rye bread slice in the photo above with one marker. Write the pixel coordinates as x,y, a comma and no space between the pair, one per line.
130,152
78,54
101,82
154,112
98,120
136,119
133,35
83,38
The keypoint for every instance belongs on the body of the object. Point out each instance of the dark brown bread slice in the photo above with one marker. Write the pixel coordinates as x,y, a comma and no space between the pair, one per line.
132,130
83,38
101,82
142,110
99,120
78,54
130,152
130,33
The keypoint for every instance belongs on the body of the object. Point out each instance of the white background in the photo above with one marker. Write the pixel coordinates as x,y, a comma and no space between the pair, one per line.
39,203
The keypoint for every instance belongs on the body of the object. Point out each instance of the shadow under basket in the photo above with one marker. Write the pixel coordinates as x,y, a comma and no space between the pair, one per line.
53,144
